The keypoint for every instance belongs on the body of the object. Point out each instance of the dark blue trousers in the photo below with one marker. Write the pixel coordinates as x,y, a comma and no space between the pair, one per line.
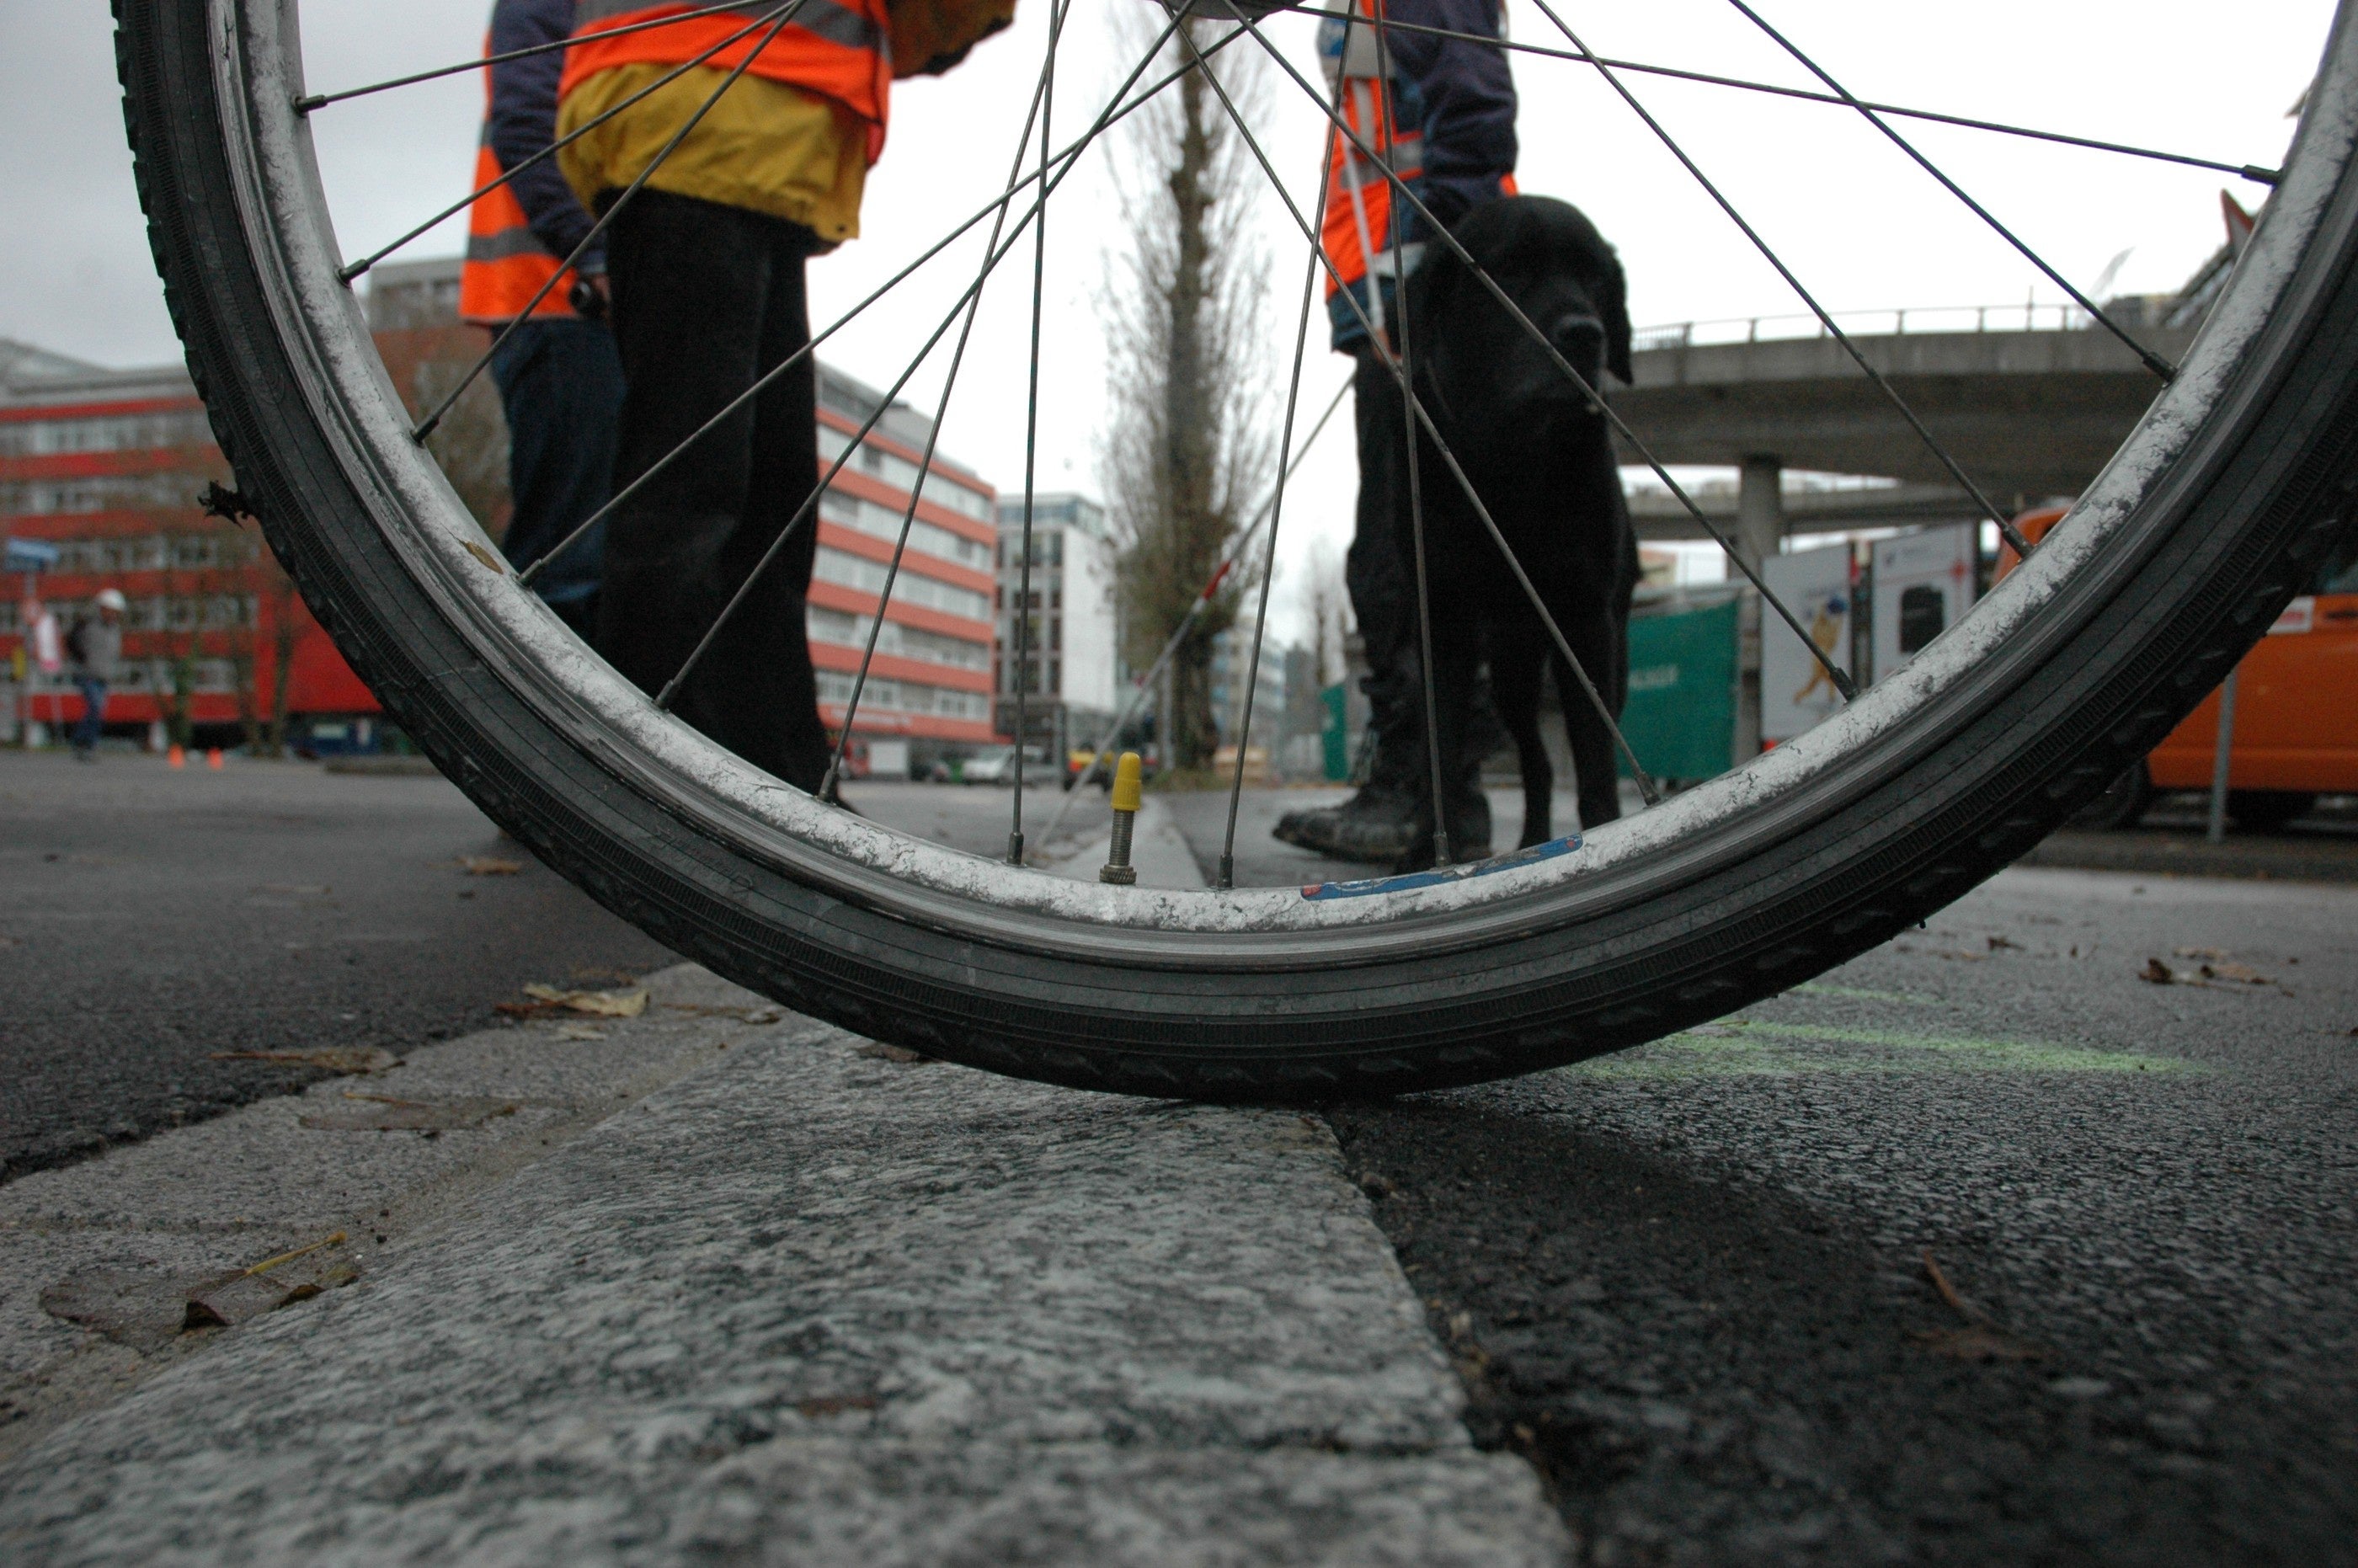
560,384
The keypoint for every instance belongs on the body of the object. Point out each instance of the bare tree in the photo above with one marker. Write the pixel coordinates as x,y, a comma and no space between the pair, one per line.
1191,448
1326,605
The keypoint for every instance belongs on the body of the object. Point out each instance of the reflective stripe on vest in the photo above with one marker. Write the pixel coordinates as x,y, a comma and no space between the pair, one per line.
838,49
506,264
1358,219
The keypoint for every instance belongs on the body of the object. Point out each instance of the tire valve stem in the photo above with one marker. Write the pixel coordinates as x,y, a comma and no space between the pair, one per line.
1118,868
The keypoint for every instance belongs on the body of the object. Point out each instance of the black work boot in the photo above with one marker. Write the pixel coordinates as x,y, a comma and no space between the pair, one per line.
1375,826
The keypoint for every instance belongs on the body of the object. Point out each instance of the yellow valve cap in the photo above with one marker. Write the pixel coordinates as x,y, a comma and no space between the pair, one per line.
1125,783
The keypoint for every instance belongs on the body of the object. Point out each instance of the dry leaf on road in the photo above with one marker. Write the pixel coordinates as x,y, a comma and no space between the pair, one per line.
332,1058
601,1004
490,866
270,1284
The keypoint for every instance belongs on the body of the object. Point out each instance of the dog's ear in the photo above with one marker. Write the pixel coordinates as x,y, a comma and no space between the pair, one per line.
1613,303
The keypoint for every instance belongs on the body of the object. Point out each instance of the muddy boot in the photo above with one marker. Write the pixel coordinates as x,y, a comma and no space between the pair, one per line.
1374,826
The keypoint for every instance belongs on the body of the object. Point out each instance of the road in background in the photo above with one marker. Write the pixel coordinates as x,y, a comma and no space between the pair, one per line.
151,919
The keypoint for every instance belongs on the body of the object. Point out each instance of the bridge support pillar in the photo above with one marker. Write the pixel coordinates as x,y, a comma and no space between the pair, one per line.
1760,530
1760,508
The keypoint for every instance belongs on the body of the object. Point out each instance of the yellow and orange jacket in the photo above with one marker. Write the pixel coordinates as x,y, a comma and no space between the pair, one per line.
795,137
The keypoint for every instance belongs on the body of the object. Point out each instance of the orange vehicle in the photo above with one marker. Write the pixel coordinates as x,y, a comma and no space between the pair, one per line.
2296,725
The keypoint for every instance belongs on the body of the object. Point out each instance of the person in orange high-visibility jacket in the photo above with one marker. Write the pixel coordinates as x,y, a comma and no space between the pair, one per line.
560,380
1443,111
705,262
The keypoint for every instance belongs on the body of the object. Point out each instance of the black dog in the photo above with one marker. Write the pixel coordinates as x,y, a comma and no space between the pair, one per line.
1538,452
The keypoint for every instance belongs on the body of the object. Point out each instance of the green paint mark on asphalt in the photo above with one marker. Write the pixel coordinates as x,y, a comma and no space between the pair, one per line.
1815,988
1752,1048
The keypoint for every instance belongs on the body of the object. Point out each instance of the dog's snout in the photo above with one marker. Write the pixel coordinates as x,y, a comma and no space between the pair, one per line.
1577,330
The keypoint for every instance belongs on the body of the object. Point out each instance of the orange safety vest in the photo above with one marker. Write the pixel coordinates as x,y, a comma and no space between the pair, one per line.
838,49
1358,218
506,264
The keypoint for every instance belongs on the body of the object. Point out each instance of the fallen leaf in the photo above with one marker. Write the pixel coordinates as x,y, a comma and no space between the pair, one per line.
1998,944
900,1053
490,866
141,1308
2243,974
485,556
268,1285
743,1014
1977,1341
2158,972
603,1004
381,1113
333,1058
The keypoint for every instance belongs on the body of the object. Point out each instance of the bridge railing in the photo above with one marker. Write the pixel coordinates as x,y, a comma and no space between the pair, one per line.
2023,318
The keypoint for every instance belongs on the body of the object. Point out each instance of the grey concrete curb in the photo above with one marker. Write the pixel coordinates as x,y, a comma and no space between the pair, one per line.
809,1303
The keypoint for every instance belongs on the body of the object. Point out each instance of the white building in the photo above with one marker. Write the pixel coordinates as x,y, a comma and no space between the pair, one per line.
1229,651
1073,668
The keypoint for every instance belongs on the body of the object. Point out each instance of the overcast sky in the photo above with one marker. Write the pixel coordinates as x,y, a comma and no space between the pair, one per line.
1861,225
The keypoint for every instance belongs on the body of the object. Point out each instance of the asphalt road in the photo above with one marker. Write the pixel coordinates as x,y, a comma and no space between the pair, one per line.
151,919
1689,1281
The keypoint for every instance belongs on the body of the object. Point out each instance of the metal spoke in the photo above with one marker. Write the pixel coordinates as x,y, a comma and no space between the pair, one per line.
1032,438
1117,108
1067,155
784,14
1228,877
1101,753
1041,97
351,270
321,100
1645,781
2006,527
2257,174
1835,672
1403,350
2151,360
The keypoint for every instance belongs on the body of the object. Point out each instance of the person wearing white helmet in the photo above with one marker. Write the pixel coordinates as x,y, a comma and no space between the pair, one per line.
95,647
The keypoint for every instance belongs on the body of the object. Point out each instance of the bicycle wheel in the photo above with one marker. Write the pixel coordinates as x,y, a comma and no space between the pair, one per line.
2173,563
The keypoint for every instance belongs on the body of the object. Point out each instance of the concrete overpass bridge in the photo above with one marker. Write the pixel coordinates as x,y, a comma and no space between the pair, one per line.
2030,401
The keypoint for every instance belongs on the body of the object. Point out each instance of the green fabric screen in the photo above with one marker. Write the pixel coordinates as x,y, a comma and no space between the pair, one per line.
1681,716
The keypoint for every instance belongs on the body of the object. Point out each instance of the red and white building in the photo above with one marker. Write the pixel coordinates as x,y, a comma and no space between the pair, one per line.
929,690
104,467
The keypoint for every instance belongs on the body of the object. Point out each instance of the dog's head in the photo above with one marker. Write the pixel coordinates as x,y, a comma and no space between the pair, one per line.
1480,364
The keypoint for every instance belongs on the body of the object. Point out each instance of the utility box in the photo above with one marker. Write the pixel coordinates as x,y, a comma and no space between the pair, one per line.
1680,715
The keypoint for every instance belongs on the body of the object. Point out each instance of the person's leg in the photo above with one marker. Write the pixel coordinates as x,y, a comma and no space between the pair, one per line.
689,281
560,382
1377,824
762,676
88,727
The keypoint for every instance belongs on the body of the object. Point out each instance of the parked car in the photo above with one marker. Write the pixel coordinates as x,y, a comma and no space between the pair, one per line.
993,766
2296,734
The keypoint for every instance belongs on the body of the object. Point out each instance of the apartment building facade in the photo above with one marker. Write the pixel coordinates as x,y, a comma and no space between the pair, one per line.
1072,671
100,471
928,691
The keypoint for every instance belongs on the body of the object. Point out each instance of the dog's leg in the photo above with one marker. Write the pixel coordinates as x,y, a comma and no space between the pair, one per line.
1594,762
1515,670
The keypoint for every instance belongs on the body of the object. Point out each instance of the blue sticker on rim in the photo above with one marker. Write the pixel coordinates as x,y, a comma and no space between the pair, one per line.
1412,880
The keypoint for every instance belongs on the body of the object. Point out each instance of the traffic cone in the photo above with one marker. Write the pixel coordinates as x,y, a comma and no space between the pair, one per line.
176,758
214,758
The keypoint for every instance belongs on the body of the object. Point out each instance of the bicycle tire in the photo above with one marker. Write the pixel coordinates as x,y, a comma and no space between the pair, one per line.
2172,566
